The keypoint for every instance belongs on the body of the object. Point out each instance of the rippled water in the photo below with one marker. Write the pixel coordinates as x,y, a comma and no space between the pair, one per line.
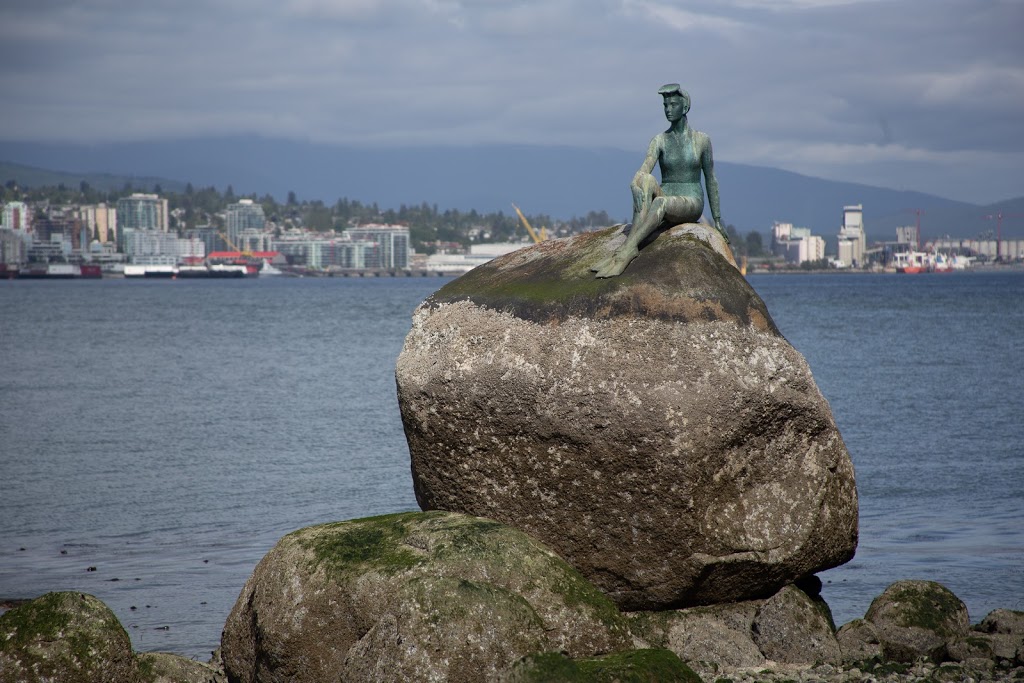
167,433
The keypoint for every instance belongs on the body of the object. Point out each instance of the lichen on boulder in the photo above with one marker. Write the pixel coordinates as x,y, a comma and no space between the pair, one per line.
412,597
655,429
68,637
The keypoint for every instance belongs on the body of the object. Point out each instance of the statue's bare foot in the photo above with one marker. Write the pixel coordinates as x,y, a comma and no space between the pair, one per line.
620,259
603,263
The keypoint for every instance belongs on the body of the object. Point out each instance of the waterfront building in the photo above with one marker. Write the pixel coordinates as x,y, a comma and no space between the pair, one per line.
906,235
13,246
152,247
444,261
331,252
16,216
796,245
100,221
392,244
990,249
56,248
62,224
142,212
209,236
251,239
244,216
852,241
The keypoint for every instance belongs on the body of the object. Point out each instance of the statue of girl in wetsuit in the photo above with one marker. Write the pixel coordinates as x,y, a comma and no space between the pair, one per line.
683,154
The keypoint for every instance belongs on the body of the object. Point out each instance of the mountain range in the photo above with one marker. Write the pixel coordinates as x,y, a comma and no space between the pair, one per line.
560,182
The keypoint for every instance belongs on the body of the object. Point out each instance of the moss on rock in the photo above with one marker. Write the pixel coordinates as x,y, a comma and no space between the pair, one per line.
917,618
629,666
417,596
68,637
682,276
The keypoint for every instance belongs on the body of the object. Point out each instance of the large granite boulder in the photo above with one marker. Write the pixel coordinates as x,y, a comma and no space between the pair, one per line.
411,597
67,637
655,429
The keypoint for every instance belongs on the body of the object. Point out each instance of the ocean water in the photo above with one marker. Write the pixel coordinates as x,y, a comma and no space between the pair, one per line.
158,437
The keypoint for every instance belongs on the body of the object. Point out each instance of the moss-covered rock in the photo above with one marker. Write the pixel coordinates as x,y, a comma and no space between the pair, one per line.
67,637
412,597
630,666
917,618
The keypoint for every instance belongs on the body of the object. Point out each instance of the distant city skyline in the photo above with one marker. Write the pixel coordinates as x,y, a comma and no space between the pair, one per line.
919,95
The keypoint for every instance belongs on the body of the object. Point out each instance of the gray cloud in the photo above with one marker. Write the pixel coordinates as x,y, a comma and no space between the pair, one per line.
922,94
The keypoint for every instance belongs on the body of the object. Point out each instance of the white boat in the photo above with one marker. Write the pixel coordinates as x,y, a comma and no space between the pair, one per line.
270,269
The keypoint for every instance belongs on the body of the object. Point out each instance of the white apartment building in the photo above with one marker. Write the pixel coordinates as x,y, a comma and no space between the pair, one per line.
152,247
243,217
392,241
796,245
16,216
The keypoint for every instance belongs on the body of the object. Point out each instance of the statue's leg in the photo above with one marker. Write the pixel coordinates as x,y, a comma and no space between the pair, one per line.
644,189
650,220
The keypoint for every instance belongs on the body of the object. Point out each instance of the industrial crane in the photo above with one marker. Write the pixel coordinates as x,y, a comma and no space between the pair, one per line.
534,235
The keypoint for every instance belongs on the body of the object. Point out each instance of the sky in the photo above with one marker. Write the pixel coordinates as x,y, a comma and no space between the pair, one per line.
921,95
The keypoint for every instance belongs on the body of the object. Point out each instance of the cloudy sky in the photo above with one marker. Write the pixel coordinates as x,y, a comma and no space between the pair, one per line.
909,94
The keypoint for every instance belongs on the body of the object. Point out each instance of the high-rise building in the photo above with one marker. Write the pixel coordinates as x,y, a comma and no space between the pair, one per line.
392,241
100,220
142,212
16,216
241,217
852,241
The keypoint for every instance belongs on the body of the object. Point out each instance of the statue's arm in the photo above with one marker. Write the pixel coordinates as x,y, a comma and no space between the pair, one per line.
707,163
653,151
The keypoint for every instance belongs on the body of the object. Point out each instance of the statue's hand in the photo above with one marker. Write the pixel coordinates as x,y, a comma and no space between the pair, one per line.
721,230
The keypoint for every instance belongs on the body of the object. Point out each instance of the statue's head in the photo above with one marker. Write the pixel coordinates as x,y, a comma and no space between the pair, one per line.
676,100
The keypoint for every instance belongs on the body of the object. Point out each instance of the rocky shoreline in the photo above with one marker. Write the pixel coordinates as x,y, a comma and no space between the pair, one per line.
626,479
437,628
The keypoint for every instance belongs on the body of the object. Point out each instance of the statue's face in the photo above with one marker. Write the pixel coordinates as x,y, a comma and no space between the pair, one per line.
675,107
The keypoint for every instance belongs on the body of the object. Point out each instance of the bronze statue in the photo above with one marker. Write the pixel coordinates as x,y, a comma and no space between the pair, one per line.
683,154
